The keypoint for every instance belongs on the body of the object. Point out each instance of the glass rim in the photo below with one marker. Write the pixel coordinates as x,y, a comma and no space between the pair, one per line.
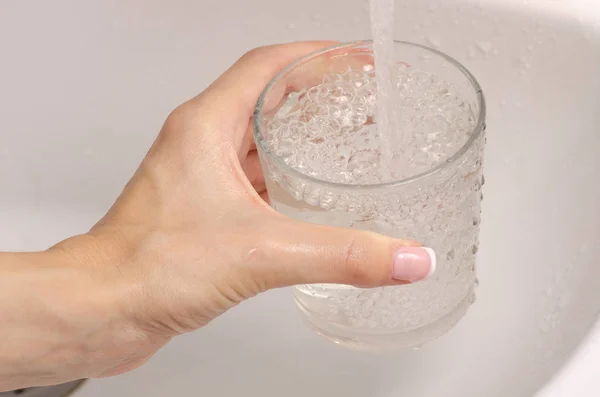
475,132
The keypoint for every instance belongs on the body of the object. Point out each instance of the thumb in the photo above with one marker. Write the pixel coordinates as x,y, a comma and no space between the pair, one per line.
294,252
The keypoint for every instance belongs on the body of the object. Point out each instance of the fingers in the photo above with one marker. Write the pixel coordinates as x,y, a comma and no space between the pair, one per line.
220,116
253,171
232,97
236,92
265,196
313,71
293,253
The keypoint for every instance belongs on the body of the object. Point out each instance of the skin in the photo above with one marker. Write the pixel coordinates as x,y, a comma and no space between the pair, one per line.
190,237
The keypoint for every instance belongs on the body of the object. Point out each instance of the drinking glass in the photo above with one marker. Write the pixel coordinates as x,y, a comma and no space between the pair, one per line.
433,196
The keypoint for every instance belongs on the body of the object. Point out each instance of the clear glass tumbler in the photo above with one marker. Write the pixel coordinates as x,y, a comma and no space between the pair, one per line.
325,162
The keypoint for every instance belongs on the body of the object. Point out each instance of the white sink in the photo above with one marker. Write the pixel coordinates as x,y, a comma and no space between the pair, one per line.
85,86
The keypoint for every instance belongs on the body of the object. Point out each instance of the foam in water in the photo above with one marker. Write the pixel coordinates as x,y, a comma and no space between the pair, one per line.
382,18
329,131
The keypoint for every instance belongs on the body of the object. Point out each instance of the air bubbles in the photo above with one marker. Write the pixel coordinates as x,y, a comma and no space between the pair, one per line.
328,131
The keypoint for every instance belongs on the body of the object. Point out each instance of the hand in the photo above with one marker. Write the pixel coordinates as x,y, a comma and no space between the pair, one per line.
191,235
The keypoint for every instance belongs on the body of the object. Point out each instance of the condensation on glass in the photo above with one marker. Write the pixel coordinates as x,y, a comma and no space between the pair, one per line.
436,200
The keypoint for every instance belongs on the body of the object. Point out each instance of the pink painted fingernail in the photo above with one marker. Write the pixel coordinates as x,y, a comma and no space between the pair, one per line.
413,263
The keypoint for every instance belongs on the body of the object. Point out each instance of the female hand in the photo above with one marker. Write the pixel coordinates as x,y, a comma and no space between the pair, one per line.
191,236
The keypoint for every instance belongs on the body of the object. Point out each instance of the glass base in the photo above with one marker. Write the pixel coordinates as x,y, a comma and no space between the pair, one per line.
358,339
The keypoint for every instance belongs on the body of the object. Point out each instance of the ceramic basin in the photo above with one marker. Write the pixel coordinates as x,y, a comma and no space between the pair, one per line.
85,86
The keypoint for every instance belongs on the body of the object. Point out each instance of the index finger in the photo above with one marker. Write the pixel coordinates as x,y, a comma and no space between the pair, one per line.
237,90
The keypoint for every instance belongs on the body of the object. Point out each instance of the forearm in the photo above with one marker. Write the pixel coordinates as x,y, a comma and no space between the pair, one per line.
61,319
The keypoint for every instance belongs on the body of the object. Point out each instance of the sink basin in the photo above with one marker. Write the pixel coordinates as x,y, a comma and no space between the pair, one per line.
86,86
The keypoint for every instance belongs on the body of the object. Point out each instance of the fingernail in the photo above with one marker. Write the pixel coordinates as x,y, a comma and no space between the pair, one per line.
413,263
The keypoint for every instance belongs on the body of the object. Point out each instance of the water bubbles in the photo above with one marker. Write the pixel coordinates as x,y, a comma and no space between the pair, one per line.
285,149
362,162
472,52
330,79
324,136
485,46
327,201
450,255
312,197
359,119
313,94
434,41
359,83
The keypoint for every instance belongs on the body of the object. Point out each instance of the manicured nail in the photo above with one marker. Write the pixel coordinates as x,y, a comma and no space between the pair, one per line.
413,263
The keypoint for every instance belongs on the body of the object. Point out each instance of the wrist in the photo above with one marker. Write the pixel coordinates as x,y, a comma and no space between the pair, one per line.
65,316
104,338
